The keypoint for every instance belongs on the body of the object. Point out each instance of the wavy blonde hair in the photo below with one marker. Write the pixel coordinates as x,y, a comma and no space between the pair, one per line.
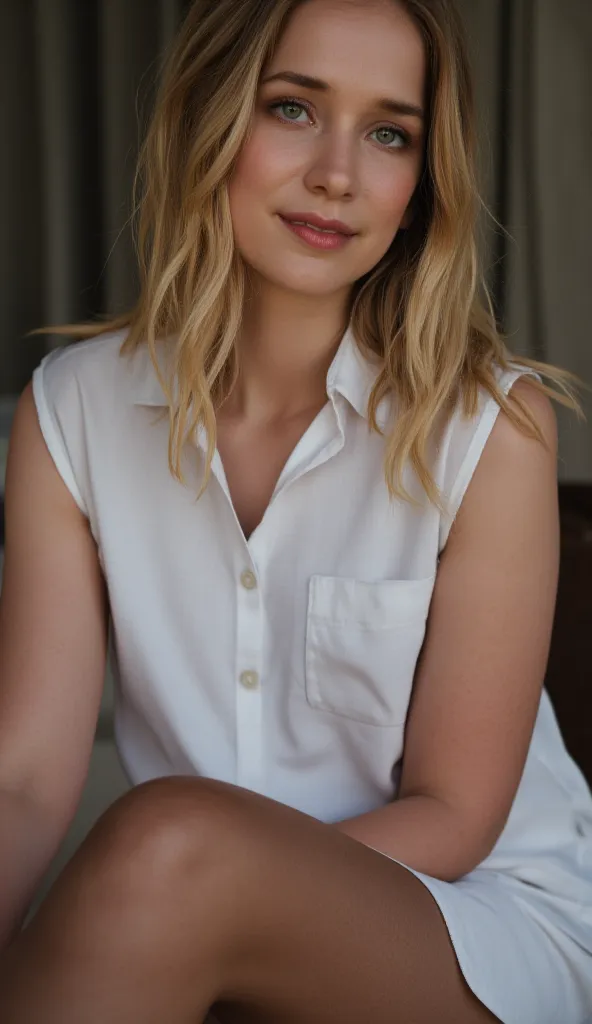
424,309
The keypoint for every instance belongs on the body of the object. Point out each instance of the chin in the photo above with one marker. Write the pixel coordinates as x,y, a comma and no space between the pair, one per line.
311,287
304,282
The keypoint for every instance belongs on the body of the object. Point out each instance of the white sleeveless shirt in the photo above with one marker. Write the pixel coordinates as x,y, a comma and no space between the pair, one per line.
284,664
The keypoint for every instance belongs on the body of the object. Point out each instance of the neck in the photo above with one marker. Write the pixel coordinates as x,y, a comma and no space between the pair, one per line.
287,343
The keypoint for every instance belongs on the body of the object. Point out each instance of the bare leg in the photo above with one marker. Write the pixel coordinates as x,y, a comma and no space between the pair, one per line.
190,893
122,938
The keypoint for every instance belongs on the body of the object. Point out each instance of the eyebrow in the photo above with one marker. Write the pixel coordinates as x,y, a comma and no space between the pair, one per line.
306,82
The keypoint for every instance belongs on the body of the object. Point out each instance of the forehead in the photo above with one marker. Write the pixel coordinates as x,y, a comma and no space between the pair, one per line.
368,48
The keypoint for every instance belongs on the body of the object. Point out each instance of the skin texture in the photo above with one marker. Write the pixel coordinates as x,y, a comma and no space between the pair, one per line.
342,159
191,893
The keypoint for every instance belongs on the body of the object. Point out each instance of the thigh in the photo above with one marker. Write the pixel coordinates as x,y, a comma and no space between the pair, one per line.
332,932
302,924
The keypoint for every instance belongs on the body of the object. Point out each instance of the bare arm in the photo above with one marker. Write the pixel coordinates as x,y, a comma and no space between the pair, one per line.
28,842
53,633
481,671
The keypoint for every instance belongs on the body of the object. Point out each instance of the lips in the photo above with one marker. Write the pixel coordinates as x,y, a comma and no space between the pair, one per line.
312,220
322,239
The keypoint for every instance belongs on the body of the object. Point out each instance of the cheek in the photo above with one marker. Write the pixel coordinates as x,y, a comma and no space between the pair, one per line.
249,189
260,166
245,179
243,200
390,192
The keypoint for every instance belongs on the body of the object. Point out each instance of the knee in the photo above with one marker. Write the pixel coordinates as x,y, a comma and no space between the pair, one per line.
161,830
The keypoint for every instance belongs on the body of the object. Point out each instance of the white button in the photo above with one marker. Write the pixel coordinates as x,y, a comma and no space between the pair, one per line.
250,680
248,580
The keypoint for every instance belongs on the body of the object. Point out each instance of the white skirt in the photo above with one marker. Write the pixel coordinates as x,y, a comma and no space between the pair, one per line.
515,956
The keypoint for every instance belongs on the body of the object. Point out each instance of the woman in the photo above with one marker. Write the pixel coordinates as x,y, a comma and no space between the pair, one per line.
336,654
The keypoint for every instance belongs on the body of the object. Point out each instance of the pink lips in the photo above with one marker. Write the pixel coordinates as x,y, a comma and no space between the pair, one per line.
319,222
317,232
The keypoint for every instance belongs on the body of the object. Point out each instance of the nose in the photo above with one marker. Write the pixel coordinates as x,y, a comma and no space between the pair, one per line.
332,169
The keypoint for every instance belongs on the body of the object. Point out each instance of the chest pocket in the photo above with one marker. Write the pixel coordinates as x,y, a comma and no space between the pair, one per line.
362,644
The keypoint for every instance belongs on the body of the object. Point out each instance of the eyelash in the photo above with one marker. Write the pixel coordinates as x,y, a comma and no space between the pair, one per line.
305,106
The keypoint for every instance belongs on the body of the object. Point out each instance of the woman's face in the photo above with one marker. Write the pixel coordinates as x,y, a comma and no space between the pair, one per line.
341,145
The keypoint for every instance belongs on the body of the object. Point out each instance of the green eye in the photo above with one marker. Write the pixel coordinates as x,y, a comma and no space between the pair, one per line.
288,109
394,133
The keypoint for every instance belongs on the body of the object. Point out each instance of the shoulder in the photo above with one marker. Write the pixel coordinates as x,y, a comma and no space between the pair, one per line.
541,408
505,442
75,372
516,475
87,355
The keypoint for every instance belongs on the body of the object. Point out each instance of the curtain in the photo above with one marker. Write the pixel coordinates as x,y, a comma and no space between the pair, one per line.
76,81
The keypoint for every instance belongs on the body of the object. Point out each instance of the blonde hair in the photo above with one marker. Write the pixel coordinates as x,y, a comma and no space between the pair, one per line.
424,309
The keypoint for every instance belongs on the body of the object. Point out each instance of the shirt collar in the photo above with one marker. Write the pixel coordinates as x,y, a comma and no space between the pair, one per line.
145,386
351,375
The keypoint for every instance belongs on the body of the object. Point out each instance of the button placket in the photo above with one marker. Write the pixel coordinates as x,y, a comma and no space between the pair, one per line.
248,580
250,680
249,683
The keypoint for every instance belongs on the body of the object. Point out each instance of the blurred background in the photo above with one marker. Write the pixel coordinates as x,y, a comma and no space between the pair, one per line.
77,81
